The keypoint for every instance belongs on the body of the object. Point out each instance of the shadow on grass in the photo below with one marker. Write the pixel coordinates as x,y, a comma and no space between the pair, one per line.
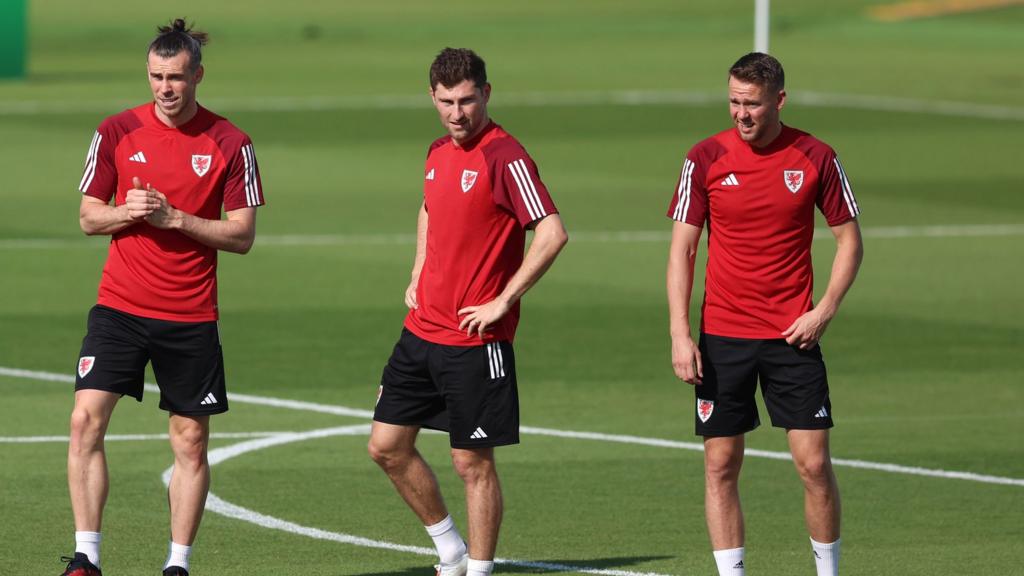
540,566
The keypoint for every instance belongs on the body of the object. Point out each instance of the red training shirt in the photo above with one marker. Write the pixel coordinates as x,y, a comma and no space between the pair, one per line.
759,206
201,166
480,198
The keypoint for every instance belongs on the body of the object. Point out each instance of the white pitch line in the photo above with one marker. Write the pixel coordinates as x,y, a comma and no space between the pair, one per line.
618,438
535,99
594,237
220,506
941,231
135,437
908,105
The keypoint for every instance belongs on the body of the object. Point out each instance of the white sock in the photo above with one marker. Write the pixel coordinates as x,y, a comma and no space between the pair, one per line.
730,562
88,543
826,557
178,555
480,567
449,544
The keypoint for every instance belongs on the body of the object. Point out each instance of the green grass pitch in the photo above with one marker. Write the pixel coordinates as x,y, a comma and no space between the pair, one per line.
925,357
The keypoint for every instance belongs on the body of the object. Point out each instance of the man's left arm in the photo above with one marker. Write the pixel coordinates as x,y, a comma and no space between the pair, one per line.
549,236
235,233
805,332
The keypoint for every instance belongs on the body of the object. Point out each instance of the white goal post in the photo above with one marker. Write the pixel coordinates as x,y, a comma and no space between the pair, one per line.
761,26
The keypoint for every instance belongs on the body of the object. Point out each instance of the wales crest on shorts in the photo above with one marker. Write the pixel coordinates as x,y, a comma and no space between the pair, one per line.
85,364
794,179
468,179
704,409
201,164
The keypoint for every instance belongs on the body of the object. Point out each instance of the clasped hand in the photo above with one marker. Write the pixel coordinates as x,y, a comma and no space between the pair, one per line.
149,204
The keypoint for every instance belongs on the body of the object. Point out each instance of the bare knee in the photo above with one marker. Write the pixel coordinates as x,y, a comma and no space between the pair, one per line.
474,466
381,454
389,455
721,473
816,472
87,430
722,467
189,444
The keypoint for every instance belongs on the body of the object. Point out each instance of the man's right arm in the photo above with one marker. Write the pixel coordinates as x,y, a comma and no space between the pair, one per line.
421,255
97,217
686,360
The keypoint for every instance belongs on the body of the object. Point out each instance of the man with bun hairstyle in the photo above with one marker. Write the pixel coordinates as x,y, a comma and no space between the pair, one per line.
170,166
756,186
453,368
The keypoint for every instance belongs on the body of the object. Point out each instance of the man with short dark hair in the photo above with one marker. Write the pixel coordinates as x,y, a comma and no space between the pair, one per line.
171,166
756,186
453,368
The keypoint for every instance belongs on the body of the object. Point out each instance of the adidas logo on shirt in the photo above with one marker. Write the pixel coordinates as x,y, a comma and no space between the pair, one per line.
430,175
210,399
822,413
731,180
478,434
138,157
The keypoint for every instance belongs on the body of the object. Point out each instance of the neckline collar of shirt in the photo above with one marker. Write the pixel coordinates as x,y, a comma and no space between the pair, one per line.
470,144
194,121
785,138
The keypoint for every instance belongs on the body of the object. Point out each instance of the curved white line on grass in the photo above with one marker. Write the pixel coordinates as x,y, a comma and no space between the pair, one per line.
299,405
220,506
536,99
135,437
597,237
695,446
624,439
36,375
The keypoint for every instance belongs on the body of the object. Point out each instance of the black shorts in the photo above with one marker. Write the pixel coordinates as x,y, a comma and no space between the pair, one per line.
793,383
468,391
186,356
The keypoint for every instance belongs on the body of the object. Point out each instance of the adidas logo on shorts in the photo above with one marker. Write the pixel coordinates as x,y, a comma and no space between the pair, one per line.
479,434
210,399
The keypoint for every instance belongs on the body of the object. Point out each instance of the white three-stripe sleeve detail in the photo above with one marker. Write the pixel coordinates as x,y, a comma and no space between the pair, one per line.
250,176
683,202
522,190
689,191
245,174
256,192
527,190
680,198
90,162
532,192
851,202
